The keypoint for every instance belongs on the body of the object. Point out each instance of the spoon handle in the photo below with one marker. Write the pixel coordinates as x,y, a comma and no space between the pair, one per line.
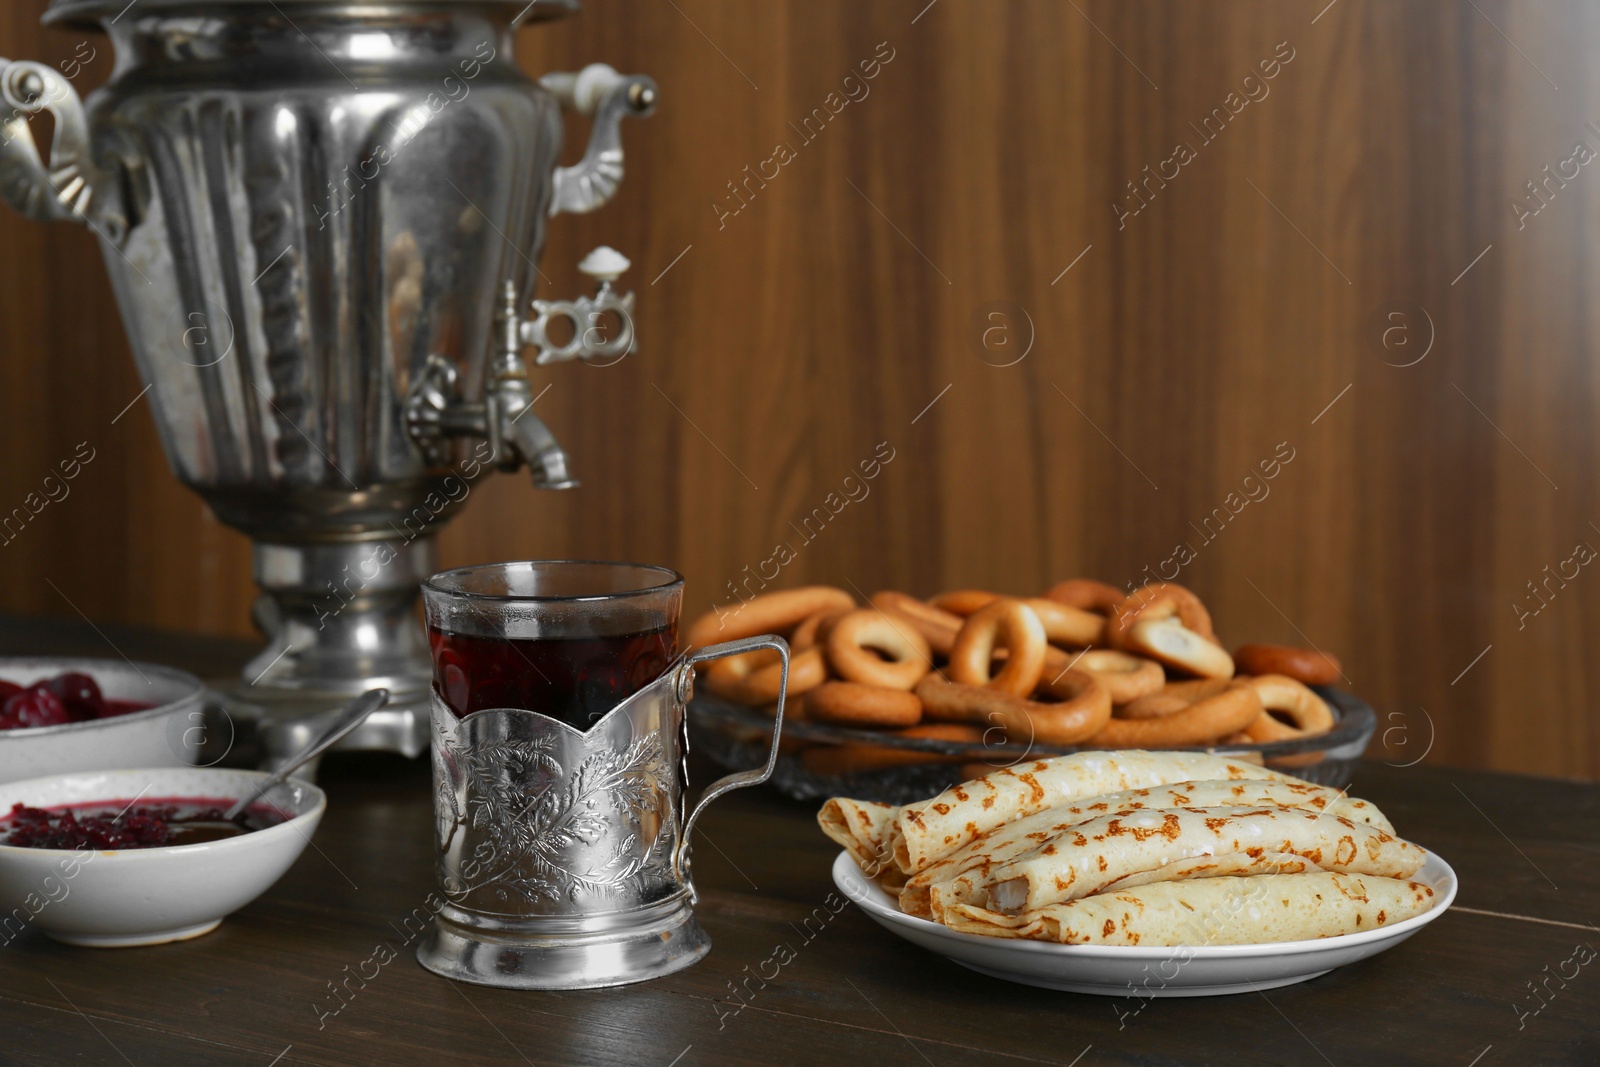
347,720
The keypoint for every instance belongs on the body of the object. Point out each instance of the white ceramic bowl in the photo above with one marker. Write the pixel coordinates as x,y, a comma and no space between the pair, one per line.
147,896
1141,973
167,735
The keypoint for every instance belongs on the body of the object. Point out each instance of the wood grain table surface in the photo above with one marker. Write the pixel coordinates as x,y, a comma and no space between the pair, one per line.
1483,986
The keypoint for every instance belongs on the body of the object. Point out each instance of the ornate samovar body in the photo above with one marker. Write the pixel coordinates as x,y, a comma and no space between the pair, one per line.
322,222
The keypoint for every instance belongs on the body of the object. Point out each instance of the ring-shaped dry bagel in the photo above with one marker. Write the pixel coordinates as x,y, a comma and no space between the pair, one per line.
947,701
856,640
854,704
1069,626
1174,644
1086,594
1302,664
1158,600
769,613
814,629
1082,711
938,628
1006,622
1126,677
756,678
964,602
1174,696
1202,723
1080,708
1063,625
1308,713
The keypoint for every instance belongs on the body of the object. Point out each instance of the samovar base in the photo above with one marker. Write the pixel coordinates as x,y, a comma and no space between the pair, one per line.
340,618
565,953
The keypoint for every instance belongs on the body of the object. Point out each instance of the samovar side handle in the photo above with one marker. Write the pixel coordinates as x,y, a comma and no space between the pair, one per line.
607,97
741,779
72,187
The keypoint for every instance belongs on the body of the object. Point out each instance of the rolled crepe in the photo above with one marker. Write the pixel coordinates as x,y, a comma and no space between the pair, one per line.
1213,911
940,898
1231,865
922,833
1362,811
1010,840
1084,859
861,828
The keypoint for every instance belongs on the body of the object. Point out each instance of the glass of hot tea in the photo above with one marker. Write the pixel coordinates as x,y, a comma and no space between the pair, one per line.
559,748
566,638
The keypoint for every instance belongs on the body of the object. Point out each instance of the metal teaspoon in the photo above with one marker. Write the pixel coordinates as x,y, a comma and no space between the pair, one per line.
348,719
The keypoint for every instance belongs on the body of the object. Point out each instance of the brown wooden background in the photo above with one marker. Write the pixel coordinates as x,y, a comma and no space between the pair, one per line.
1176,354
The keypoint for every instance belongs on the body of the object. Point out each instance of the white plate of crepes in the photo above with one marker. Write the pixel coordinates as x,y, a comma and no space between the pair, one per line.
1139,873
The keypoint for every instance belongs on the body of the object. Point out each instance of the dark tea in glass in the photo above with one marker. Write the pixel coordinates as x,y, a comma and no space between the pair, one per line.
567,639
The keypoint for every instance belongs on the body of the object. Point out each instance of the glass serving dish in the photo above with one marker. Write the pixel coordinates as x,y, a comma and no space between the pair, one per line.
737,737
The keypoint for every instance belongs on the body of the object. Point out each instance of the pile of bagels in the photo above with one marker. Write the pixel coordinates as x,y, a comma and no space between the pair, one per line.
1086,664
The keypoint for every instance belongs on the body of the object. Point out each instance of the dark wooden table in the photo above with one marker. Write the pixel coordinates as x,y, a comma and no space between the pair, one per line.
256,991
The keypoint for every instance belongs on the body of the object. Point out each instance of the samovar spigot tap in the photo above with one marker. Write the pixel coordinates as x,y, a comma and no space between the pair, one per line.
437,411
515,433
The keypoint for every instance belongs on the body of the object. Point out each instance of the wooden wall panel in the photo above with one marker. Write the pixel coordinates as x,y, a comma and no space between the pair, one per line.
1242,307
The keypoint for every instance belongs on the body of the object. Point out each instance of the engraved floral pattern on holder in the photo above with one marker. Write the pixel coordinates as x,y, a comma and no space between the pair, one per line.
535,818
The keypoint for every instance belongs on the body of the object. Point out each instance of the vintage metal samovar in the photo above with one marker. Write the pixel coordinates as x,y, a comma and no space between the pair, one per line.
322,222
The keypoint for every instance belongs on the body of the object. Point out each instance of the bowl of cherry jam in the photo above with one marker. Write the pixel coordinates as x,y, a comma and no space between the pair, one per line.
117,859
59,715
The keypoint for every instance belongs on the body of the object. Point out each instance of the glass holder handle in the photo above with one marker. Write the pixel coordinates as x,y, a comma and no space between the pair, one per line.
740,779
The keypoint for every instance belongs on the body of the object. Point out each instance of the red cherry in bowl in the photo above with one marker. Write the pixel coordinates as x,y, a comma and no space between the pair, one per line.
37,706
78,693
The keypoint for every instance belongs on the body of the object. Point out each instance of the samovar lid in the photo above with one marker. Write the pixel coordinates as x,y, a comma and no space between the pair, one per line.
90,13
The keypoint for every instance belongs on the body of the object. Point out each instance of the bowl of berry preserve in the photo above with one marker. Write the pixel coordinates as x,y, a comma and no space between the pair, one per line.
59,715
116,859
